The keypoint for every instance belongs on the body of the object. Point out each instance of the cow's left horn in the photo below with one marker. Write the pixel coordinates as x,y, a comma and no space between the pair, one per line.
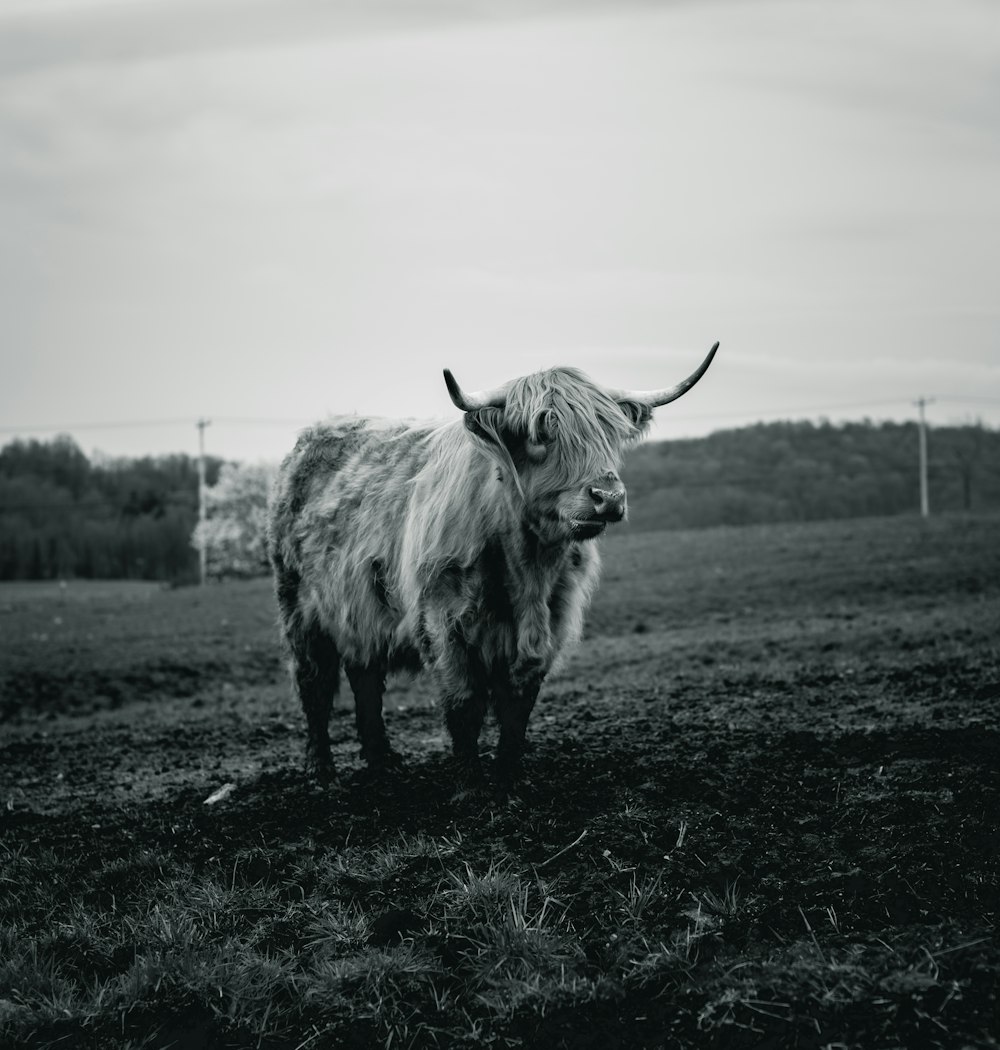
656,398
471,402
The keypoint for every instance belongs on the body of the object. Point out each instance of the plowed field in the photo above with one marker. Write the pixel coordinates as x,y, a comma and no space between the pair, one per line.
762,809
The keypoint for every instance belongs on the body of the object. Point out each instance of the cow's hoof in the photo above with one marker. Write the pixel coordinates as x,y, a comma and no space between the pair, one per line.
322,771
476,794
514,791
383,761
509,769
507,789
470,780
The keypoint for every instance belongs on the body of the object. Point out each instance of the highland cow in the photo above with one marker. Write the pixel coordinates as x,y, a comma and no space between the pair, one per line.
463,548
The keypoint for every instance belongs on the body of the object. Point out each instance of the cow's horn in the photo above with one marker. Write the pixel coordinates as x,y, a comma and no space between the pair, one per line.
656,398
471,402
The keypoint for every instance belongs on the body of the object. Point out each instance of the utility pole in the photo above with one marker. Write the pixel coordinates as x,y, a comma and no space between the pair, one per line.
201,424
925,509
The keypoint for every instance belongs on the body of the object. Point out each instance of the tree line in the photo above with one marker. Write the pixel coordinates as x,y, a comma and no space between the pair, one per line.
65,515
803,471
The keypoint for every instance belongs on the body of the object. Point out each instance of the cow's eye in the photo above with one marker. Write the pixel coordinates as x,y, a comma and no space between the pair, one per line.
636,413
535,452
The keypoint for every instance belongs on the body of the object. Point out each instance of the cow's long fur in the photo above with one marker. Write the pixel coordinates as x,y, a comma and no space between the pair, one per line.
397,545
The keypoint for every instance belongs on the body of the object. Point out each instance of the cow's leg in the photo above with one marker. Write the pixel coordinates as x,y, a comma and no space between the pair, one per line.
315,666
464,692
513,707
368,684
464,718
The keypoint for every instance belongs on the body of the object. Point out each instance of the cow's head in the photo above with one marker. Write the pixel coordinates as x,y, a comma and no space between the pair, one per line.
561,438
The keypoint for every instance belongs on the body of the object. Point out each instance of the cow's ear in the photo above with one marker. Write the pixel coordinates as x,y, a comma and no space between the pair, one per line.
636,412
485,425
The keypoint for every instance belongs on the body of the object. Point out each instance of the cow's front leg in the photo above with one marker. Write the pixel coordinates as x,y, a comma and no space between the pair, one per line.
368,685
534,650
459,672
464,719
513,704
514,698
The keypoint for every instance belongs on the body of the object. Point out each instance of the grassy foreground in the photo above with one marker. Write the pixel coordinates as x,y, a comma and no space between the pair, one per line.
761,812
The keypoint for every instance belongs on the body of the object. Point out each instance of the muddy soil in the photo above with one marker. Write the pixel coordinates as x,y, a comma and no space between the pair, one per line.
834,773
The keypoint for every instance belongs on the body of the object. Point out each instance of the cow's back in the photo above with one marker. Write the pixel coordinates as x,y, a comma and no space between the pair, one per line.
335,522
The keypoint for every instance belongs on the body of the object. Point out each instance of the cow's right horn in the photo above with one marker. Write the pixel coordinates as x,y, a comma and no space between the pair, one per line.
472,402
656,398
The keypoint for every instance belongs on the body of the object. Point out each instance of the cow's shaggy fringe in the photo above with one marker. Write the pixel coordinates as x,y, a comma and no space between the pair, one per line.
587,428
531,405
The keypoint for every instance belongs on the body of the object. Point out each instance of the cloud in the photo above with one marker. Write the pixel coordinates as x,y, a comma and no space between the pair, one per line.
45,33
284,200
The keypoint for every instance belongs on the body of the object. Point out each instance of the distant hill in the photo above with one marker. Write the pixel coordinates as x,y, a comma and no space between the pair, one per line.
805,471
64,515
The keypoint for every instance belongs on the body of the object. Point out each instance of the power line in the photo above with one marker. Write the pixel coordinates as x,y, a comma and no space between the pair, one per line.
971,397
853,406
115,425
126,424
248,421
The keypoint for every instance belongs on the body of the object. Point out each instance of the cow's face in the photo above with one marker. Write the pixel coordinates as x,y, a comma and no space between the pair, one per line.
559,441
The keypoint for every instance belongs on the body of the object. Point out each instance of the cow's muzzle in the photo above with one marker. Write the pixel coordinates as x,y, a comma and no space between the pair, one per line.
609,502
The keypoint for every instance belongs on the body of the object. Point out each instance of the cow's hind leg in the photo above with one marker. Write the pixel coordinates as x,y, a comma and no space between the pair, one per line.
368,684
316,675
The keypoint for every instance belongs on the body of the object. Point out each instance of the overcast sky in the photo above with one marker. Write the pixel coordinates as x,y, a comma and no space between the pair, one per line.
271,210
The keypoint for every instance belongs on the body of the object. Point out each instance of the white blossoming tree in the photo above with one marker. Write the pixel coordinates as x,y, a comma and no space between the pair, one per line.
233,532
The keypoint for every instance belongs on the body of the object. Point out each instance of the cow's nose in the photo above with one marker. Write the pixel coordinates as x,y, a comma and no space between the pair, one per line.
609,503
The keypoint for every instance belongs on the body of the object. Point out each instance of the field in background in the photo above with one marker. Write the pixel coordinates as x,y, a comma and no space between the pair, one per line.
761,810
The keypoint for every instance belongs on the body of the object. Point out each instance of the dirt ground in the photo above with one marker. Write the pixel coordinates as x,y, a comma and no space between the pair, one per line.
781,745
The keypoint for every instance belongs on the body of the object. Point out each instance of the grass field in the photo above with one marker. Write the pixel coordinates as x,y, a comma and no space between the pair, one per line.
762,810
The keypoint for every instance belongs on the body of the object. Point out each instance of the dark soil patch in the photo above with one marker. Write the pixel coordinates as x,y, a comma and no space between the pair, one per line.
778,831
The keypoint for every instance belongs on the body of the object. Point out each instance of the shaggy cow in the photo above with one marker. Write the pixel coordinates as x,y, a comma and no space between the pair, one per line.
461,548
